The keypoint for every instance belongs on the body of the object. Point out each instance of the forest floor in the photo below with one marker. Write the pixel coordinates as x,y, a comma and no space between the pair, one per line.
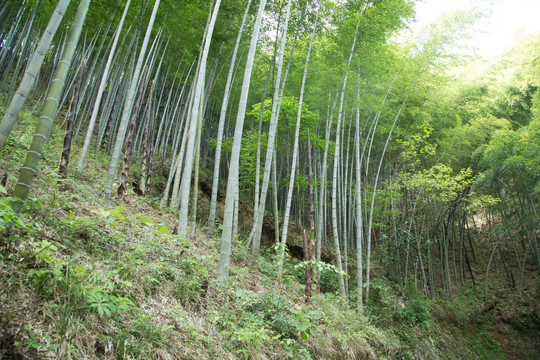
87,277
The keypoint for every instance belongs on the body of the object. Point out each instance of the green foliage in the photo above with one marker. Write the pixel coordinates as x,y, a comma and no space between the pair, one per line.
287,121
513,155
274,309
265,319
510,164
456,312
414,313
194,281
143,337
516,105
466,139
484,346
111,217
107,305
328,273
62,279
51,278
108,291
8,217
380,301
284,138
38,343
438,182
251,333
386,309
294,350
321,266
416,145
114,216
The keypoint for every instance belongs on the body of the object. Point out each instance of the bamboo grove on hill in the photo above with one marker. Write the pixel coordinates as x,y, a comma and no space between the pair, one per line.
413,172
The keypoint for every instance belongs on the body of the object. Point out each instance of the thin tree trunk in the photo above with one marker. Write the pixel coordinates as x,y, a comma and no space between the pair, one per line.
110,119
275,197
236,210
322,191
97,101
66,149
259,217
281,254
335,231
120,137
370,223
308,245
146,162
359,216
258,159
196,175
190,148
221,125
232,181
129,141
336,160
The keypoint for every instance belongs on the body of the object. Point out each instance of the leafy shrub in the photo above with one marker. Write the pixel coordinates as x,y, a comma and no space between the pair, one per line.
8,217
380,305
415,312
329,274
484,346
50,275
194,282
107,304
275,311
142,338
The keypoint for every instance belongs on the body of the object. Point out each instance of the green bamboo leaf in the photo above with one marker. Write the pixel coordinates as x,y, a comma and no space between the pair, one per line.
146,220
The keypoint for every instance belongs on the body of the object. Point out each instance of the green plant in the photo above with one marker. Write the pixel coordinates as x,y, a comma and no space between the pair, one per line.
277,313
194,281
101,303
303,327
111,217
39,343
329,272
252,333
8,217
51,277
142,337
380,304
484,346
294,350
83,228
107,304
160,227
415,312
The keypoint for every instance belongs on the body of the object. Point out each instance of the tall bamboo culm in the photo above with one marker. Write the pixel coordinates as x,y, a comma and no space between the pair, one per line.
31,72
47,118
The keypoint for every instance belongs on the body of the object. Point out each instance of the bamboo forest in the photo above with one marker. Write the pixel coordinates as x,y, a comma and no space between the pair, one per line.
266,179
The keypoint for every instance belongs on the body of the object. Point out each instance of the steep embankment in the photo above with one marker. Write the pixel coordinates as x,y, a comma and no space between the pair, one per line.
86,277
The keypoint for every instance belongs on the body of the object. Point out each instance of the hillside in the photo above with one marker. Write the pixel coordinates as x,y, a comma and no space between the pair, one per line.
87,277
267,179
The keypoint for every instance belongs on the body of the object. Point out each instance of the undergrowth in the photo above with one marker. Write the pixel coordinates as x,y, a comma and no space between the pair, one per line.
85,277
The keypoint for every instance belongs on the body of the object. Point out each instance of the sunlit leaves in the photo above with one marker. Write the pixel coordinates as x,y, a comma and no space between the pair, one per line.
512,159
438,182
